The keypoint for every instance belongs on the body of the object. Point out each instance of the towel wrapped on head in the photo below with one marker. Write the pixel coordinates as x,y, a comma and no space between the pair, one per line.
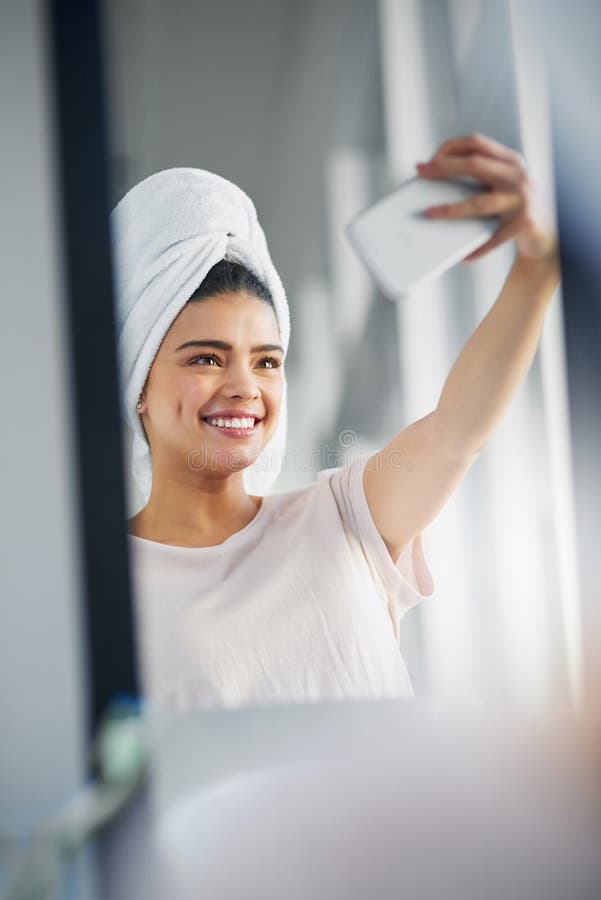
167,232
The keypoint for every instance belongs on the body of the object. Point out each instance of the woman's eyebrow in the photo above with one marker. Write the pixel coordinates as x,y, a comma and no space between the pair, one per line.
223,345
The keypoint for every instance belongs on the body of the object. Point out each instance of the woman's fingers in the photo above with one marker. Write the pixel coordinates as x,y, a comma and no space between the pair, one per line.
482,205
479,143
486,169
511,194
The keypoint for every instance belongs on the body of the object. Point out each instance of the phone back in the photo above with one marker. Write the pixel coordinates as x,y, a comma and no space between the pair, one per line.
403,249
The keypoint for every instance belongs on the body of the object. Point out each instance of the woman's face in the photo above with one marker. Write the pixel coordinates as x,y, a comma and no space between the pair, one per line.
232,362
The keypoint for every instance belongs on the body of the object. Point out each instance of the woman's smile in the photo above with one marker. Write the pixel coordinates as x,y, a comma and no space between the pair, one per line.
231,428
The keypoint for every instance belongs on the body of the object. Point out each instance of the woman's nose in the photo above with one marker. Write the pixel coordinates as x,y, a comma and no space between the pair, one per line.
242,393
242,384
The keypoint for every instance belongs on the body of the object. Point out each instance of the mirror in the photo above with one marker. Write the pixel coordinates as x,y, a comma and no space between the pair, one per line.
316,112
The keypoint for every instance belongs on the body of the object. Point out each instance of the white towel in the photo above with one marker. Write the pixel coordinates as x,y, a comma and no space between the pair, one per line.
167,232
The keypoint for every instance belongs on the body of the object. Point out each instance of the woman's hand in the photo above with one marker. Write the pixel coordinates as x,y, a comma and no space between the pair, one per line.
510,194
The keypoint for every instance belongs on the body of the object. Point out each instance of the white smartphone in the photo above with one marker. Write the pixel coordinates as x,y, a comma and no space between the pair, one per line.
401,248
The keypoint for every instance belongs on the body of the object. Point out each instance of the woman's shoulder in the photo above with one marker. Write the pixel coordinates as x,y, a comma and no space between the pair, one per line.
305,491
316,494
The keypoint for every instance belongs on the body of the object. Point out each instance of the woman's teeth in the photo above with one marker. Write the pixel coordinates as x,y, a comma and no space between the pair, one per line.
232,423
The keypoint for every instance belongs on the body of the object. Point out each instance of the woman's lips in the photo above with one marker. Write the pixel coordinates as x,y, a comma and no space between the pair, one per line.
235,432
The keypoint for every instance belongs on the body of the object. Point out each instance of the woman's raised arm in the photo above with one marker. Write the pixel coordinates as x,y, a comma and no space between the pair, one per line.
408,482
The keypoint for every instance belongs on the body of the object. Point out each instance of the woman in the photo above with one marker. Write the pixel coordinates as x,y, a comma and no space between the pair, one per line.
245,597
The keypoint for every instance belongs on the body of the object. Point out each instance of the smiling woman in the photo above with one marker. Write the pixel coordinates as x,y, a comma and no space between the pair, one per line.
247,598
191,402
241,596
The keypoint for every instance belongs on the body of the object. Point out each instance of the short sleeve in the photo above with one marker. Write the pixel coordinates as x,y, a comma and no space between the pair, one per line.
401,584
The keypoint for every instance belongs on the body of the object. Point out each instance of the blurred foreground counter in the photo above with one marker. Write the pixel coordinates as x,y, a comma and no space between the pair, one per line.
356,800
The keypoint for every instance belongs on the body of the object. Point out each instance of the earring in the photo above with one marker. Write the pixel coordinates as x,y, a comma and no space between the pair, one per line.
139,404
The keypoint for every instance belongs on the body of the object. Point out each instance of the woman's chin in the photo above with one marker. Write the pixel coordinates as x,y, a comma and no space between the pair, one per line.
222,455
233,460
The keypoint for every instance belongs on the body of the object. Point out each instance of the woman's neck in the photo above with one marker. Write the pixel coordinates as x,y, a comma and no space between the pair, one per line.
203,519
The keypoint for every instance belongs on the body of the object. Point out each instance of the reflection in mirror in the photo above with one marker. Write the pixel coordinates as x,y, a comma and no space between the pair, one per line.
280,497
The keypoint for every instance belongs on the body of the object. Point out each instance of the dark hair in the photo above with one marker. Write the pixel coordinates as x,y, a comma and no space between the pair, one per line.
228,277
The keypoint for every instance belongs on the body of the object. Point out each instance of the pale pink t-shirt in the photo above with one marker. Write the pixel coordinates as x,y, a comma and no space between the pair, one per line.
302,604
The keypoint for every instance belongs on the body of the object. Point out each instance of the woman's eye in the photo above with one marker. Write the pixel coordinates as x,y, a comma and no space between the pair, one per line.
212,358
275,362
